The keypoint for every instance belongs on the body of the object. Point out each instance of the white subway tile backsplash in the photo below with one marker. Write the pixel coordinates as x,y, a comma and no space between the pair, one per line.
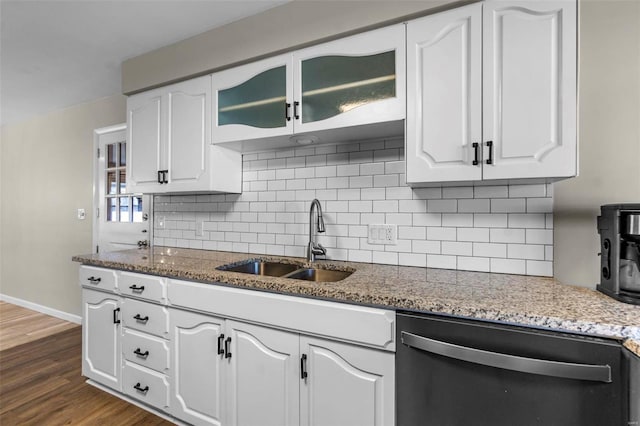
497,228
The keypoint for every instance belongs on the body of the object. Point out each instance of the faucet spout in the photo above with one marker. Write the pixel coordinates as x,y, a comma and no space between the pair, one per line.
313,248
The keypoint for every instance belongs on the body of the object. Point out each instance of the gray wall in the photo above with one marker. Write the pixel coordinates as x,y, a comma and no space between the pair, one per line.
609,135
282,28
47,173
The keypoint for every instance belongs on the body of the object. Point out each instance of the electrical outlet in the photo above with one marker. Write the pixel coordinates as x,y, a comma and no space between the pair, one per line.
382,234
160,222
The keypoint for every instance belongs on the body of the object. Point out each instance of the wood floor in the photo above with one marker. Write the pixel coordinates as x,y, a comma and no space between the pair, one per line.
40,384
19,325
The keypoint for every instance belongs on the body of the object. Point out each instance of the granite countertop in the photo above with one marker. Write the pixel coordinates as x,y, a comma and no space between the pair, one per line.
514,299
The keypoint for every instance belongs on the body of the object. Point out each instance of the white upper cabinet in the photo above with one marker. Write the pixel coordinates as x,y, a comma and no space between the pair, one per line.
444,96
169,142
492,93
350,82
529,79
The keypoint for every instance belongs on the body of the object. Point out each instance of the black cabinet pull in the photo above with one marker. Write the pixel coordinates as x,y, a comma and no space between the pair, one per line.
303,366
490,146
140,388
220,339
476,147
164,176
287,106
227,351
115,316
160,177
137,317
141,354
136,288
94,280
295,110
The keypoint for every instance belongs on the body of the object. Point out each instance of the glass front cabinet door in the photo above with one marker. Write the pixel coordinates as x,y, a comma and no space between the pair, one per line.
253,101
348,82
352,81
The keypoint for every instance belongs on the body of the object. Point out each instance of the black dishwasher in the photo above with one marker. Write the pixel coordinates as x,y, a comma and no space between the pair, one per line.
461,372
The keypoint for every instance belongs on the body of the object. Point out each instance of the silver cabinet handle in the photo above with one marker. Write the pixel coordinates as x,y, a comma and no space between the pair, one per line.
595,373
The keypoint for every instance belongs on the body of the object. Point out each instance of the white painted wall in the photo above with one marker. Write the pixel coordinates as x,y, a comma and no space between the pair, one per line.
46,174
609,135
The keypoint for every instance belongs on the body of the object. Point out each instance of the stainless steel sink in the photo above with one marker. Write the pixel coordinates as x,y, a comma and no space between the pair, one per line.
285,270
271,269
319,275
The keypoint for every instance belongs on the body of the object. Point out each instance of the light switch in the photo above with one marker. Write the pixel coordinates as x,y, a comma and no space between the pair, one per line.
81,214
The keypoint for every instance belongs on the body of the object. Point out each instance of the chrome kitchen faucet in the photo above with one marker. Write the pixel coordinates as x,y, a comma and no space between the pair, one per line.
315,249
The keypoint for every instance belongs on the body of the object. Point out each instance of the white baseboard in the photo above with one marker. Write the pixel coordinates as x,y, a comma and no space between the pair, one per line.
42,309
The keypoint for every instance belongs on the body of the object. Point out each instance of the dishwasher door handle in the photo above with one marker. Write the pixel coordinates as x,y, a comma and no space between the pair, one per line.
595,373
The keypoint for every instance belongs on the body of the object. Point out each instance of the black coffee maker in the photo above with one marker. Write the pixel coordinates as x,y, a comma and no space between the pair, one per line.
619,229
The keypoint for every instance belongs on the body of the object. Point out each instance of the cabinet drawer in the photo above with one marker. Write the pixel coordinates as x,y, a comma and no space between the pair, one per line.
145,350
98,278
146,385
143,286
146,317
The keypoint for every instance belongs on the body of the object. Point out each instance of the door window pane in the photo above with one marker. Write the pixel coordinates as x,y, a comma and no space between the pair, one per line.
124,209
112,209
332,85
258,102
111,183
122,184
122,147
112,157
137,209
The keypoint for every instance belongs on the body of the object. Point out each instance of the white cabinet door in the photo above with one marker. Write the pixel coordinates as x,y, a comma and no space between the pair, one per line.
253,101
346,385
169,142
352,81
263,384
444,96
101,338
145,141
197,375
188,134
529,72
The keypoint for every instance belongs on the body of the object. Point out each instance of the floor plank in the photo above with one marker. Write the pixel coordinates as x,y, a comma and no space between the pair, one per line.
41,384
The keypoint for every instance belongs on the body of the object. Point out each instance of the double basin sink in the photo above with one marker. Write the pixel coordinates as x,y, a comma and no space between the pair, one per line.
286,270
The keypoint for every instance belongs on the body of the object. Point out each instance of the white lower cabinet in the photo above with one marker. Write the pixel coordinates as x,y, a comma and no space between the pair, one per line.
226,368
101,337
262,376
234,373
197,343
346,384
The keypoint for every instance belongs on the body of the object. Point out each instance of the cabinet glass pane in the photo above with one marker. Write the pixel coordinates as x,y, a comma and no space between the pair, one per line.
332,85
258,102
137,208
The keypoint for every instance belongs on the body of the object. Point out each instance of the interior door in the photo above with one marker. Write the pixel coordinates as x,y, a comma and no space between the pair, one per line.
121,218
